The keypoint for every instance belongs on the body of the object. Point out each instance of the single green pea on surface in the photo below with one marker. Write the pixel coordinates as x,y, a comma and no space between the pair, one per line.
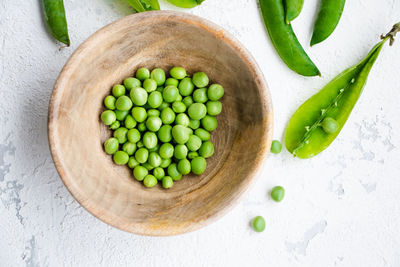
276,147
327,20
186,3
319,120
278,193
258,224
55,19
284,39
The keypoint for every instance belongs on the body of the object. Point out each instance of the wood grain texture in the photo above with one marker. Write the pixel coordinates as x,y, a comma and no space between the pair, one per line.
158,39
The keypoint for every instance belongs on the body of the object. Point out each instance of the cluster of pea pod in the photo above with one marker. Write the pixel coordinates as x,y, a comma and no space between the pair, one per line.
54,14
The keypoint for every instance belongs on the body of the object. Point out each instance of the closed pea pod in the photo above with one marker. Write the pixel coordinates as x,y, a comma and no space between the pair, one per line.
292,9
305,136
284,39
54,15
328,18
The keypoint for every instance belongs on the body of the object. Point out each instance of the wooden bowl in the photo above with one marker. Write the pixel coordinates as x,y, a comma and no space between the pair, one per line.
158,39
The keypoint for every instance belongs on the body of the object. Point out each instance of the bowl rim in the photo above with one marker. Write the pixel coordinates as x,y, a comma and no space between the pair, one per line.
267,124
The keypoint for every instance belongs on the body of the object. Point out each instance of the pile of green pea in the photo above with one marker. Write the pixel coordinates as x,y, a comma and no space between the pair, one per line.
162,125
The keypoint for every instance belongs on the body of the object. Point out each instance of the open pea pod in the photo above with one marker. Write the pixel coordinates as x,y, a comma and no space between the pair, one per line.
304,136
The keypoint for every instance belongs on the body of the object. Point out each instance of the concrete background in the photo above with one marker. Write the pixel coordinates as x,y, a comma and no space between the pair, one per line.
342,208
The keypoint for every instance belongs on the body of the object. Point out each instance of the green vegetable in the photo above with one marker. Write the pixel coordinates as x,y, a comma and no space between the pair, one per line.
150,181
132,163
209,123
278,193
180,151
184,166
167,182
215,92
115,125
199,165
329,125
186,3
154,159
284,39
109,102
118,90
214,108
165,133
327,20
54,16
166,150
200,95
167,116
121,114
170,93
153,123
130,83
182,119
206,150
276,147
111,145
305,137
108,117
178,107
143,74
203,134
123,103
144,5
258,224
159,173
200,79
150,85
150,140
180,134
186,86
130,122
178,73
138,96
129,148
197,111
142,155
121,158
121,135
194,143
158,75
173,172
292,9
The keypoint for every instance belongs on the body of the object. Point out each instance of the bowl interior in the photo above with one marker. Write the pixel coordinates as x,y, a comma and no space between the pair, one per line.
158,39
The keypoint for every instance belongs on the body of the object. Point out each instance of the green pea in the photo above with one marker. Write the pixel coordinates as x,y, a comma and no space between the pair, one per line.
180,151
121,114
142,127
111,145
133,135
200,79
206,150
200,95
143,74
330,125
139,144
148,166
214,108
172,81
173,172
194,143
139,172
215,92
165,163
197,111
165,133
158,75
121,134
167,182
149,85
131,83
178,98
129,148
167,116
203,134
139,114
154,149
276,147
187,100
180,134
153,113
150,181
184,166
155,99
178,107
154,159
258,224
199,165
153,123
118,90
150,140
209,123
109,102
123,103
139,96
159,173
186,87
278,193
194,124
108,117
192,155
163,106
121,158
115,125
182,119
178,73
166,150
142,155
170,93
130,122
132,163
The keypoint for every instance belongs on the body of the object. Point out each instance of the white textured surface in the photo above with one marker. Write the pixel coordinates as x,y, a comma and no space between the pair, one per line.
342,208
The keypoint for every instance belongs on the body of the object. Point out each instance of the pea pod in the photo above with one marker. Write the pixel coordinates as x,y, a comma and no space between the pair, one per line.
304,136
186,3
284,39
328,18
292,9
54,16
144,5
